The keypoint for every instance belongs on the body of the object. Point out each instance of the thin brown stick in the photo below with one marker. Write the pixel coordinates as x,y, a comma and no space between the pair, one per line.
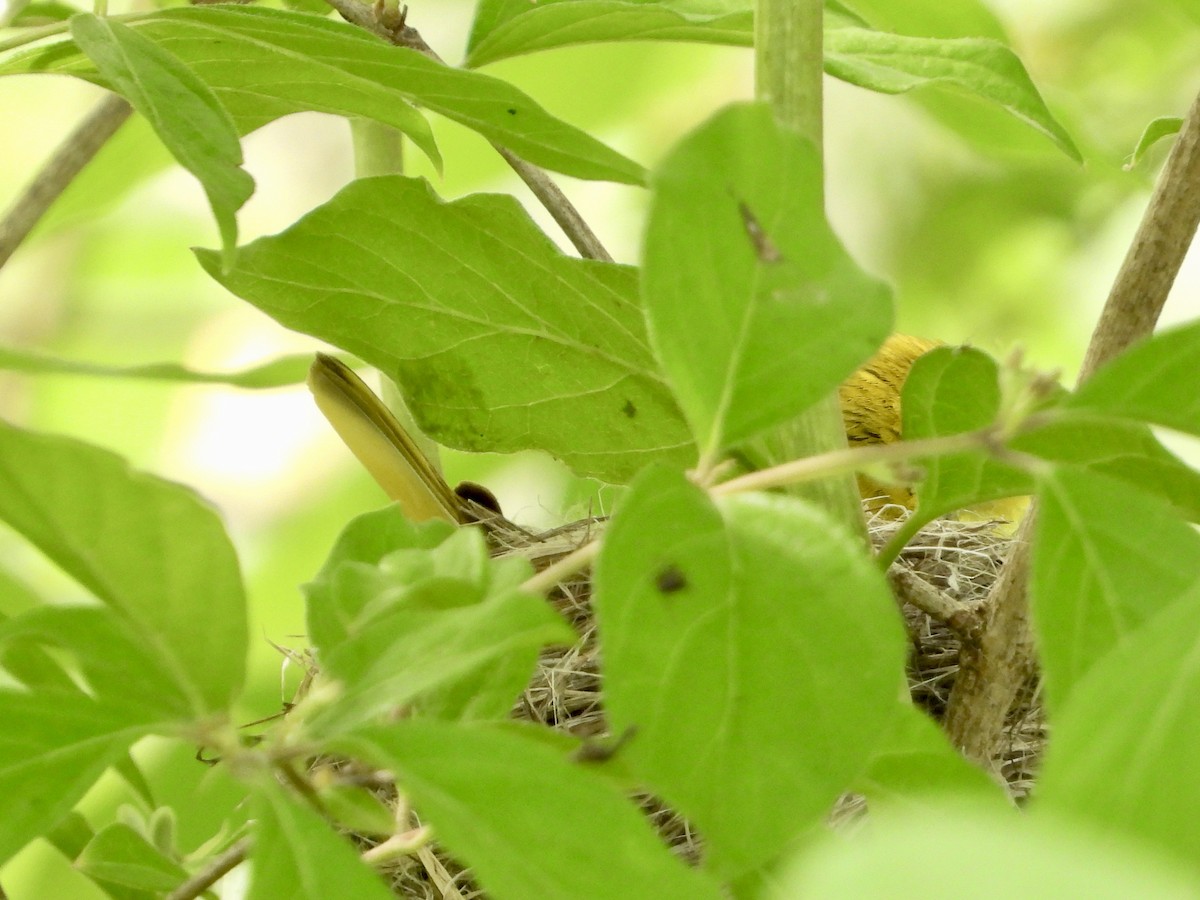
393,28
911,588
1162,240
60,170
216,869
992,673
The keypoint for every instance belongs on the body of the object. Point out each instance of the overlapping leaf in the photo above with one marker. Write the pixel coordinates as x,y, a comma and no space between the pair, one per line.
499,341
1107,557
266,63
529,823
149,549
724,643
755,310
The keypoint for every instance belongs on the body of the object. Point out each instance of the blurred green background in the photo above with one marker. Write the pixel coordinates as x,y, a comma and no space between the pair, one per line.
988,234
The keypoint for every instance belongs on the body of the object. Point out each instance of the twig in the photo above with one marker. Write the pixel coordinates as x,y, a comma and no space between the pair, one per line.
393,28
217,868
915,590
60,170
1162,240
855,459
992,674
575,561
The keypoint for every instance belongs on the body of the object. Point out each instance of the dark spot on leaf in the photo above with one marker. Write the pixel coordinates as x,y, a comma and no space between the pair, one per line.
764,249
511,111
670,579
629,409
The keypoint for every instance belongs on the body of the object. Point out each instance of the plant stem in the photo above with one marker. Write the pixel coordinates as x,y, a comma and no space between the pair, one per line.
217,868
788,68
548,193
79,148
992,673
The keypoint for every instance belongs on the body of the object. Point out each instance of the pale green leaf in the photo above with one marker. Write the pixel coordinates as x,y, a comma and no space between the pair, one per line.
724,638
980,852
149,549
498,340
504,28
442,629
298,856
266,63
281,372
527,821
1157,380
755,310
1123,753
1106,558
119,855
1155,131
894,64
186,115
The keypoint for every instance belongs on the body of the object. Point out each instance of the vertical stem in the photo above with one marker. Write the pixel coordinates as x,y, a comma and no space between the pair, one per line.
379,150
789,65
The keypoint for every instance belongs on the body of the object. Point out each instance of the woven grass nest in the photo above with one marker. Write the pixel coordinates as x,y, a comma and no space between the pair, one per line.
960,559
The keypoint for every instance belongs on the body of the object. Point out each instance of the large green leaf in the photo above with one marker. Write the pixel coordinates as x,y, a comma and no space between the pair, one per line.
1157,381
755,309
1124,747
186,115
930,48
499,341
725,637
1106,558
149,549
53,747
266,63
527,821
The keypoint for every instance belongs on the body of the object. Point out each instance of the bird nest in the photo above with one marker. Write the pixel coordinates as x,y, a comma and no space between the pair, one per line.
960,560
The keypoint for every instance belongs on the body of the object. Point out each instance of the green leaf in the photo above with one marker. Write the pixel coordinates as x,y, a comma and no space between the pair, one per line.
444,630
504,28
998,854
1124,749
1120,448
266,63
527,821
120,666
149,549
1153,381
119,855
929,50
281,372
53,747
1106,558
756,651
894,64
952,390
1155,131
297,855
755,310
499,341
186,115
917,767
